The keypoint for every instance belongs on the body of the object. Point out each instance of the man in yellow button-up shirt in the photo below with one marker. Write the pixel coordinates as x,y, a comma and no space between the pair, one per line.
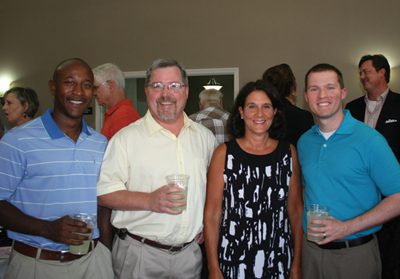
153,239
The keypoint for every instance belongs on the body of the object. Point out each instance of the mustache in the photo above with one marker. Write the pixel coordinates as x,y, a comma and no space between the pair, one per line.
166,99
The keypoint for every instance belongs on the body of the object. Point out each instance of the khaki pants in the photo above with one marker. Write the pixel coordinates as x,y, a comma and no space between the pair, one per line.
95,265
3,266
348,263
135,260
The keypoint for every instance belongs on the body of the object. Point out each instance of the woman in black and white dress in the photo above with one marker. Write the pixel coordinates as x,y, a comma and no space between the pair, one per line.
254,199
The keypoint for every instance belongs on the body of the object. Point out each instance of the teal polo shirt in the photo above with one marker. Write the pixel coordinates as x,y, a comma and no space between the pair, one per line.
349,171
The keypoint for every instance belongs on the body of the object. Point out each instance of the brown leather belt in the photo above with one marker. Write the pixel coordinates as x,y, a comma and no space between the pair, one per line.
49,255
158,245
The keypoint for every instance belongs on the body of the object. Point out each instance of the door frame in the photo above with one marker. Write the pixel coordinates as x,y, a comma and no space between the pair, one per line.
99,115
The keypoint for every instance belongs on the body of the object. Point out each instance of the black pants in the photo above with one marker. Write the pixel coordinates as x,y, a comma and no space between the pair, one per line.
389,247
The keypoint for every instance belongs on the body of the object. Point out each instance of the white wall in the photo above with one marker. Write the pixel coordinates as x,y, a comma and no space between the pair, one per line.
251,35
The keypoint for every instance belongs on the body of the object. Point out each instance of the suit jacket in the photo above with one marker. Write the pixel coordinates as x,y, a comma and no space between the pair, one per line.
298,121
388,123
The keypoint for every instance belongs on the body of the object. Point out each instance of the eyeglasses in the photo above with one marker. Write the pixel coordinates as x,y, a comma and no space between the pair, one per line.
173,86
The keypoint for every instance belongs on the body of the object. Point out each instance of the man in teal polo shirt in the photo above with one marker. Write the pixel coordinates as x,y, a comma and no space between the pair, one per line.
346,166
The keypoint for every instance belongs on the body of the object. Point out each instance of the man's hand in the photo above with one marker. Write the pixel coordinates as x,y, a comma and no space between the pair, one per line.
328,230
67,230
167,199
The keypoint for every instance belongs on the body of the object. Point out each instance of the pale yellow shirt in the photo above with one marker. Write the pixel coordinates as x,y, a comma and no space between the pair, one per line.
139,157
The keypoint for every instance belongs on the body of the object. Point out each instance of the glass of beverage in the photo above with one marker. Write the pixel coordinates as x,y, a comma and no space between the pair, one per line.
91,220
316,212
180,180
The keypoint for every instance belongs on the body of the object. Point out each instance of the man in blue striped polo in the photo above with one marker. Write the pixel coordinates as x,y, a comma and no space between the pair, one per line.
48,172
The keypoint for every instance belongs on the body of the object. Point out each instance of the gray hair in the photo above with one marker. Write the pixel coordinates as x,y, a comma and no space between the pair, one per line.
210,95
164,63
109,71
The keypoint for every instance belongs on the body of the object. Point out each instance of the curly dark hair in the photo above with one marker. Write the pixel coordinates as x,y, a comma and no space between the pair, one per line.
236,124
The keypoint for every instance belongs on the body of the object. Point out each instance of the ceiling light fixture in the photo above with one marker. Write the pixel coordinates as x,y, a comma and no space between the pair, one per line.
212,84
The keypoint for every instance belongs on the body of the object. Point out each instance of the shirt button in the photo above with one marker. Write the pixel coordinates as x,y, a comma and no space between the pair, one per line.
325,145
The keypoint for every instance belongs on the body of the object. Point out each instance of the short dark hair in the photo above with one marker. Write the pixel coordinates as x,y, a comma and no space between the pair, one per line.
324,67
70,61
26,96
164,63
379,62
236,123
282,77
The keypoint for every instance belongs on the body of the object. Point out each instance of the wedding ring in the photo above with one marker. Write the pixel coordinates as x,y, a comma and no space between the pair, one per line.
324,235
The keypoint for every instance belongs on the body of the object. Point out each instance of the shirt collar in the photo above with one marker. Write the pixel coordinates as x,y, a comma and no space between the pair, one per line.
211,106
51,126
381,97
345,127
118,105
153,127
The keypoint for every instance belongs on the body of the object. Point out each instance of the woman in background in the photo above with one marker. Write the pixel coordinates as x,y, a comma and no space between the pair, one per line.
254,200
20,105
297,120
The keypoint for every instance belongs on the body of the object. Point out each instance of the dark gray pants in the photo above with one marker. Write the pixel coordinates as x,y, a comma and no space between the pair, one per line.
356,262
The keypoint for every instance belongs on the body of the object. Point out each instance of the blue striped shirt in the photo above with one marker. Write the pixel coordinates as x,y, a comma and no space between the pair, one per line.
47,175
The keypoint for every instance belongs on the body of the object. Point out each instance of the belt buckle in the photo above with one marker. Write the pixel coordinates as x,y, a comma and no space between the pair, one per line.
62,254
175,249
171,249
122,233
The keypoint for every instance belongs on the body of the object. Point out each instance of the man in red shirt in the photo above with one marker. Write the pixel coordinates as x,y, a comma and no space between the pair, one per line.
110,93
109,89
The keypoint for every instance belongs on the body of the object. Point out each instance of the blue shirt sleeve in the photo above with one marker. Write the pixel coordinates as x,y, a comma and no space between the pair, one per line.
383,165
12,165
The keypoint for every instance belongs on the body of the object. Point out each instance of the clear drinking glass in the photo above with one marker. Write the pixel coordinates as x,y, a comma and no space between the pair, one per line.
180,180
91,220
316,212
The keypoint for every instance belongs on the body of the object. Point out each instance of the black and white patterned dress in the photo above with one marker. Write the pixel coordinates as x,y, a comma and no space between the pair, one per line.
255,237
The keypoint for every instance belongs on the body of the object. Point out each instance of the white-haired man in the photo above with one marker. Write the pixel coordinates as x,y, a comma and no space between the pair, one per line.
110,93
212,114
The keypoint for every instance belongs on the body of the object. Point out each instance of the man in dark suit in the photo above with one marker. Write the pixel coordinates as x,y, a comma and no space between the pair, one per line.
380,109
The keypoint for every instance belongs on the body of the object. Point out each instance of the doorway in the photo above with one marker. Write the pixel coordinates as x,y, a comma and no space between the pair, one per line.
134,88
